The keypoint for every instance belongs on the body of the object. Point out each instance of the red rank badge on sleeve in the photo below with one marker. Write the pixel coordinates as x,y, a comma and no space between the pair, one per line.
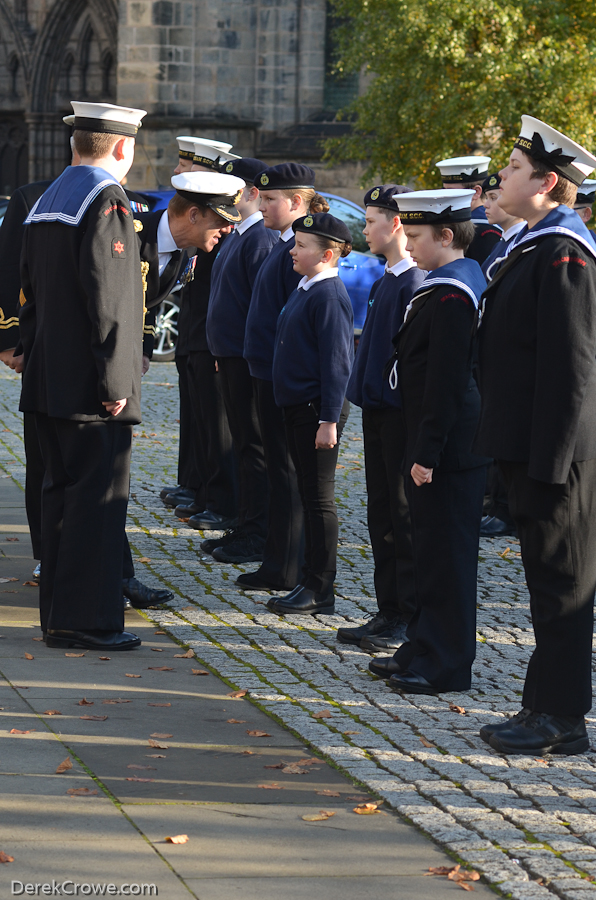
118,249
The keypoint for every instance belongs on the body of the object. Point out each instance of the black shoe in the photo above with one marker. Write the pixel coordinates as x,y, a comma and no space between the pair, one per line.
385,667
254,581
170,490
186,510
232,534
208,520
143,597
390,639
184,496
93,640
542,733
490,526
248,548
375,625
487,731
303,601
410,683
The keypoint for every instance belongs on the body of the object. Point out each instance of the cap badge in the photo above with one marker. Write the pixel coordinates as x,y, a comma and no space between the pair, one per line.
492,181
264,179
138,225
237,197
308,221
375,194
229,167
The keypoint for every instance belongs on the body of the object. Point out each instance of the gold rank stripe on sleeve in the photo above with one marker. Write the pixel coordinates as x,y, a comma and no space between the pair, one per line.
5,323
149,329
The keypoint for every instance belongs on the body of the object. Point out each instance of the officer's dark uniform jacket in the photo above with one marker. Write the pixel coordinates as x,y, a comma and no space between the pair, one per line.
81,290
485,237
538,354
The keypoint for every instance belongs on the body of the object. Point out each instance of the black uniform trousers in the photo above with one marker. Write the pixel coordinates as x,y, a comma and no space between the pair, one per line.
84,500
188,475
556,524
388,513
284,546
445,517
315,470
241,410
214,452
497,500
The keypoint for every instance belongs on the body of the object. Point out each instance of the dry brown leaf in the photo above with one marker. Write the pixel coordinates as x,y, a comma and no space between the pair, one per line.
504,553
366,809
18,731
161,736
5,858
350,732
51,712
159,704
199,672
29,656
190,654
135,766
322,714
177,839
128,675
426,743
258,733
458,709
236,721
156,756
6,581
327,793
143,559
12,540
94,718
458,875
37,639
270,787
135,778
308,761
294,770
252,753
238,694
81,792
157,746
74,655
156,649
340,467
85,702
31,583
159,632
105,658
160,668
64,766
320,816
467,887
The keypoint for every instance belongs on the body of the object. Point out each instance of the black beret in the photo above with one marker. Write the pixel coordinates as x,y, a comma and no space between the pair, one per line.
382,196
285,176
491,183
246,168
324,225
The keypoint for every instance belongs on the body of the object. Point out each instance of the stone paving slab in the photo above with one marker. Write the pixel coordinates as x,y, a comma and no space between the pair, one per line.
425,759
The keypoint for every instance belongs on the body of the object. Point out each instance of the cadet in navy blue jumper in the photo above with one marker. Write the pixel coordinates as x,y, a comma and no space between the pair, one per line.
383,427
311,367
287,193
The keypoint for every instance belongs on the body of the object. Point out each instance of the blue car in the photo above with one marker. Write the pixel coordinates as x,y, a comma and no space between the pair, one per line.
358,271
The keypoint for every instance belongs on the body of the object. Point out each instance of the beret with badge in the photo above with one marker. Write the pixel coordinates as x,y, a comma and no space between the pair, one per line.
324,225
491,183
246,167
219,192
383,196
286,176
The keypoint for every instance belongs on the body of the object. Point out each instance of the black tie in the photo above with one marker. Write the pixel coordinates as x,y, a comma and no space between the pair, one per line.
170,271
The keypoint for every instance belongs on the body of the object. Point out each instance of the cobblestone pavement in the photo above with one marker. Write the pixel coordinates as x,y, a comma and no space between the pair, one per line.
529,825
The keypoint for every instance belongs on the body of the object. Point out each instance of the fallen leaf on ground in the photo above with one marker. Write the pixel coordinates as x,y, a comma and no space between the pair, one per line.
258,733
270,787
159,704
38,639
455,873
155,756
309,761
51,712
94,718
160,668
157,746
177,839
105,658
74,655
5,858
161,736
236,721
366,809
18,731
135,766
327,793
504,553
351,732
29,656
64,766
340,467
199,672
294,770
188,608
159,632
458,875
80,792
252,753
188,655
458,709
237,694
143,559
135,778
322,714
426,743
128,675
12,540
31,583
85,702
6,581
116,701
156,649
320,816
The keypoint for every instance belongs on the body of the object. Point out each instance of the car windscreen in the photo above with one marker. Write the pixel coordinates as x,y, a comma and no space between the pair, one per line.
353,218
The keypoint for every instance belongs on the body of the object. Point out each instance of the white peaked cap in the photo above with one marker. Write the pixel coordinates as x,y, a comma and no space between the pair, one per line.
464,169
214,189
187,144
68,120
105,117
547,145
435,207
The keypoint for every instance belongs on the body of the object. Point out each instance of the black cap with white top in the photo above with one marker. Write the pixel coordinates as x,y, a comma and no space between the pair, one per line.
440,207
553,148
105,118
219,192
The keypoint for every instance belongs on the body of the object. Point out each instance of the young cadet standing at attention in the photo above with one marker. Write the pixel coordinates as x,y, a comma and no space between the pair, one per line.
383,427
444,480
314,349
538,333
287,194
470,172
232,279
496,215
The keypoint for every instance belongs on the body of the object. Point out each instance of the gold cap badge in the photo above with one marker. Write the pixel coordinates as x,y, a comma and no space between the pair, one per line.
264,179
308,221
375,194
230,167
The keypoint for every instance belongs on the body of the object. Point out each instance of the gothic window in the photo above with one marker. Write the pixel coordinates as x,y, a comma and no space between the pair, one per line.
67,87
13,68
108,76
86,46
340,89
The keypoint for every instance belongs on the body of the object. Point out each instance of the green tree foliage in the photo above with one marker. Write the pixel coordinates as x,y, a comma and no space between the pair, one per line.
451,77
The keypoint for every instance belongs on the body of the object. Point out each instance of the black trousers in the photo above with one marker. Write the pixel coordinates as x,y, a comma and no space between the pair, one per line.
214,452
315,470
33,481
241,409
445,517
84,500
188,474
497,501
284,546
388,512
556,524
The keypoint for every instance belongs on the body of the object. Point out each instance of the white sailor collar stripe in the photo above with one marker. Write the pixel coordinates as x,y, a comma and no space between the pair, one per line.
64,217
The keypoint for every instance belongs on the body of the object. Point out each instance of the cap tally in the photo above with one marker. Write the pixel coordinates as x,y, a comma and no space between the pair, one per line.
440,207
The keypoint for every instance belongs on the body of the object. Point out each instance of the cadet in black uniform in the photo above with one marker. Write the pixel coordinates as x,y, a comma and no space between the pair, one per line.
232,281
314,349
538,333
383,427
470,172
444,479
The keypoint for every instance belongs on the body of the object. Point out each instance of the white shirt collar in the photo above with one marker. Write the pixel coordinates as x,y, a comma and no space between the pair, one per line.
165,242
287,234
307,283
515,229
402,266
246,223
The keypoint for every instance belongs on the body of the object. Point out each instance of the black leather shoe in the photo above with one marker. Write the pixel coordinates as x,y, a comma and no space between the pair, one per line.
375,625
385,667
410,683
185,510
253,581
141,596
542,733
302,601
490,526
209,520
390,639
232,534
487,731
93,640
248,548
169,490
184,496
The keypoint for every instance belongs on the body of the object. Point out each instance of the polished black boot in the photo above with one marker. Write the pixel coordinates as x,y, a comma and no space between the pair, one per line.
303,601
